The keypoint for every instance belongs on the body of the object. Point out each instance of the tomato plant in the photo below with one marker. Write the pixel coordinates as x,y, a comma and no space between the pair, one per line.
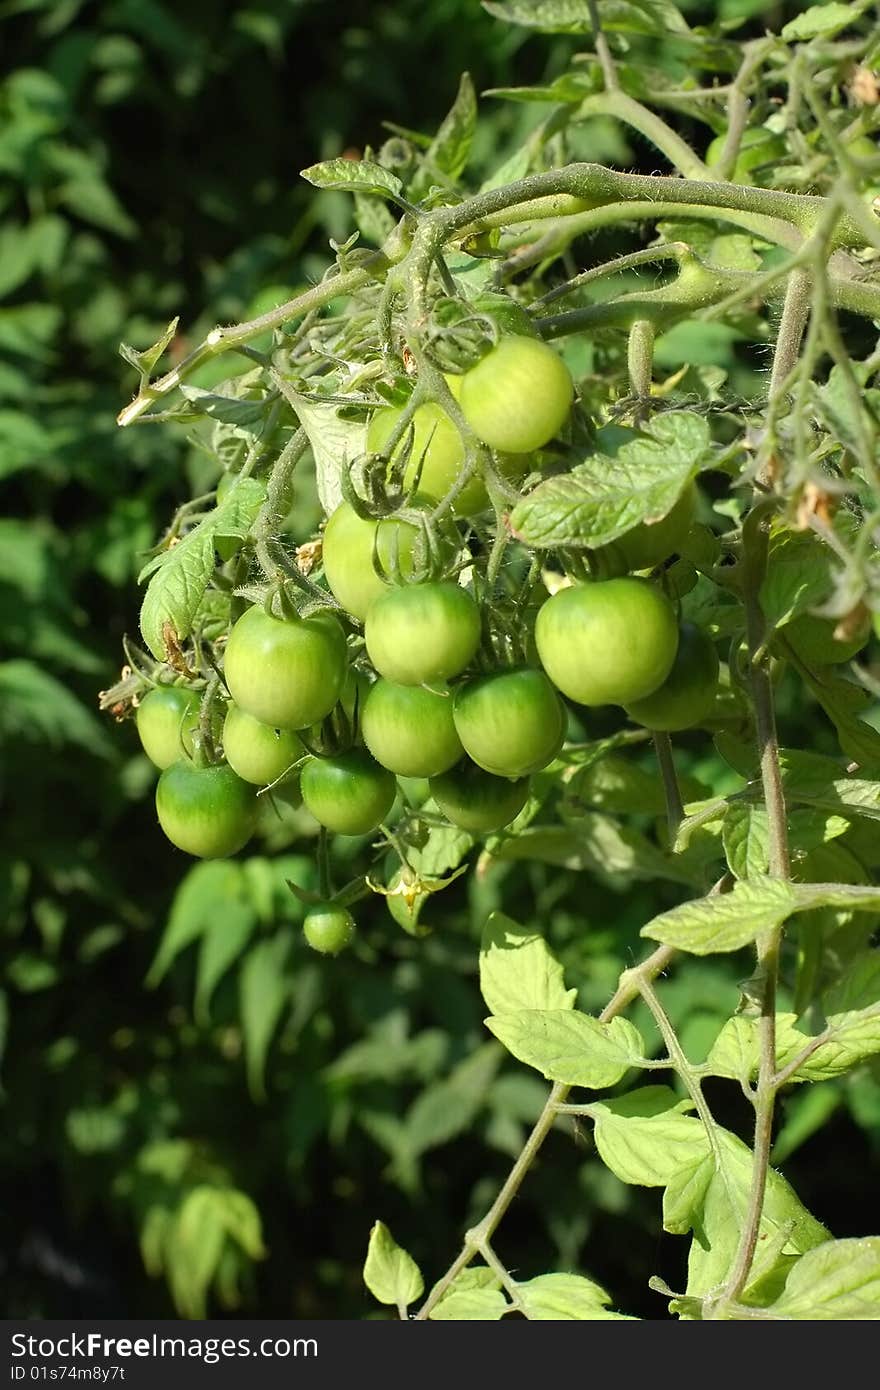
328,928
518,396
350,793
206,810
610,642
287,673
410,729
510,723
258,753
692,819
166,719
688,693
476,800
422,633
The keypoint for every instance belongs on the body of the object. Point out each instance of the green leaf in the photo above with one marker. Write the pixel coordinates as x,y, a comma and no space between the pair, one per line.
200,905
474,1295
144,361
645,1139
686,1193
448,1107
839,1279
786,1227
445,159
354,176
181,575
222,944
335,441
194,1247
390,1273
264,992
846,1040
37,708
729,921
798,575
557,1297
821,19
599,845
602,498
518,970
746,837
573,16
570,1046
814,780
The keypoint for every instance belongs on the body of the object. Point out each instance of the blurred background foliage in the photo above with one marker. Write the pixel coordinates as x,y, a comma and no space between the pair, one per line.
215,1122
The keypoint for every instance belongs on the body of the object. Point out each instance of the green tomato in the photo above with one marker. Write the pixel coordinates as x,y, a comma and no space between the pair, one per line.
646,546
410,730
812,639
476,801
350,794
437,446
688,693
166,718
258,753
287,673
510,723
423,634
518,396
206,811
607,643
348,544
328,928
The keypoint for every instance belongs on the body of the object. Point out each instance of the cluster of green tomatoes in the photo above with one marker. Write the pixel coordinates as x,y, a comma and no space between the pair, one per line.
399,677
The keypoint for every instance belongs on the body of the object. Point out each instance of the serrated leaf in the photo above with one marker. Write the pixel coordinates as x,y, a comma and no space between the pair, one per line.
814,780
599,845
573,16
685,1194
746,838
518,970
798,575
846,1040
839,1279
179,576
821,19
354,176
727,922
446,156
390,1272
558,1297
471,1305
603,497
569,1046
335,441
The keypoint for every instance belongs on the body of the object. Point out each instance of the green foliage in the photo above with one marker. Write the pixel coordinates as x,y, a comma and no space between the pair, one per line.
181,1070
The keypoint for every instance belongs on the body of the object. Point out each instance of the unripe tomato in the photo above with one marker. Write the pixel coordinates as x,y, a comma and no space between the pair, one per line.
328,928
607,643
166,718
511,723
688,693
518,396
350,794
438,447
812,639
410,730
258,753
207,811
348,556
287,673
422,634
646,546
476,801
